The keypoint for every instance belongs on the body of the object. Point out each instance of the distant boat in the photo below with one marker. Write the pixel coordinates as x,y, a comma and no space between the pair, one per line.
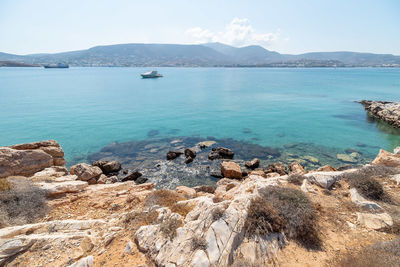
151,74
56,66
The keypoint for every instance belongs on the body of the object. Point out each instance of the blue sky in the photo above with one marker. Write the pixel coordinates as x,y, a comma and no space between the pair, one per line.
37,26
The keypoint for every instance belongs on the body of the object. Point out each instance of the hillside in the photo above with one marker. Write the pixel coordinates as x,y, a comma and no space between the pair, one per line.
204,55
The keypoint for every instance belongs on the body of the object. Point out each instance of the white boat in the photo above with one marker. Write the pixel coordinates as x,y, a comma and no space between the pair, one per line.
151,74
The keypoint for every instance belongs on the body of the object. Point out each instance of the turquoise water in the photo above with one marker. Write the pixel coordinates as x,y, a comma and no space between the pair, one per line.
87,108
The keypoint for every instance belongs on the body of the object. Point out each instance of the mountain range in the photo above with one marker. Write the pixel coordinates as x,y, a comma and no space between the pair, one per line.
202,55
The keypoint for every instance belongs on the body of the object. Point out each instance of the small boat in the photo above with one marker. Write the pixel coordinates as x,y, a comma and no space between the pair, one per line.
56,66
151,74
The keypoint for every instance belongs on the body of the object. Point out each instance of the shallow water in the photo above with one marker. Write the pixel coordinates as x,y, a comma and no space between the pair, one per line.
86,109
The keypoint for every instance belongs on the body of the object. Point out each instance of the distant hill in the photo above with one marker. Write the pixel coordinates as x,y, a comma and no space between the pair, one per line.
202,55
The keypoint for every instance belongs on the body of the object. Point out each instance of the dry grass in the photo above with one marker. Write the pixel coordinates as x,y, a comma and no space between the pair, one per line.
364,180
22,203
377,255
163,198
263,219
134,220
284,210
217,213
199,243
296,178
168,227
4,185
182,208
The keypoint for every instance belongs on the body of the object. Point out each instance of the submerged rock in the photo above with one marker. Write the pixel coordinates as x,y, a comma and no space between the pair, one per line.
190,153
205,144
221,153
173,154
346,158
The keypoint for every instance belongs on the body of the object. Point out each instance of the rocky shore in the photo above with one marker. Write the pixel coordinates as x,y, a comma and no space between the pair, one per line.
110,213
388,112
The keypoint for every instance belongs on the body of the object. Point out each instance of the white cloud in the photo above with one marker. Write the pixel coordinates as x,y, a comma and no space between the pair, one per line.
238,32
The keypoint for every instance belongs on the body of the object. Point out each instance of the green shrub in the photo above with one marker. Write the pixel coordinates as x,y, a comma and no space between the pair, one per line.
22,203
284,210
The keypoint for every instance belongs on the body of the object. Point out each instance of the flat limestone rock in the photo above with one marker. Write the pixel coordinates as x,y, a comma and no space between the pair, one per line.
375,221
324,179
59,188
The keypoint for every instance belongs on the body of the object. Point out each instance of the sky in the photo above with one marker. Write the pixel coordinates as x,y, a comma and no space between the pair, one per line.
49,26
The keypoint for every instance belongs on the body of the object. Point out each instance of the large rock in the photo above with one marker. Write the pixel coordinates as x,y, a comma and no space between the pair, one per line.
23,162
376,221
252,164
51,147
278,168
359,200
86,172
296,167
61,188
221,153
230,169
324,179
387,159
131,176
108,166
173,154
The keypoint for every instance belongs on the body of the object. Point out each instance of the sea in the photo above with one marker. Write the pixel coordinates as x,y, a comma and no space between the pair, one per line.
296,110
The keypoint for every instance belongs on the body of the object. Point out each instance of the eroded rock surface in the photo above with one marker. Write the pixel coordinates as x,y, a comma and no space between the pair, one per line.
385,111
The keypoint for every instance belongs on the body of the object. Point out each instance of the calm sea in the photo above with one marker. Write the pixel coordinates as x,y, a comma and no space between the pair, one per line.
87,108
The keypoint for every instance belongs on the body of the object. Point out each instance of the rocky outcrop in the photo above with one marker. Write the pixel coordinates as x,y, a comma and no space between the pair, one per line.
23,162
220,153
324,179
218,226
16,239
86,172
27,159
296,167
387,159
51,147
230,169
385,111
376,221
